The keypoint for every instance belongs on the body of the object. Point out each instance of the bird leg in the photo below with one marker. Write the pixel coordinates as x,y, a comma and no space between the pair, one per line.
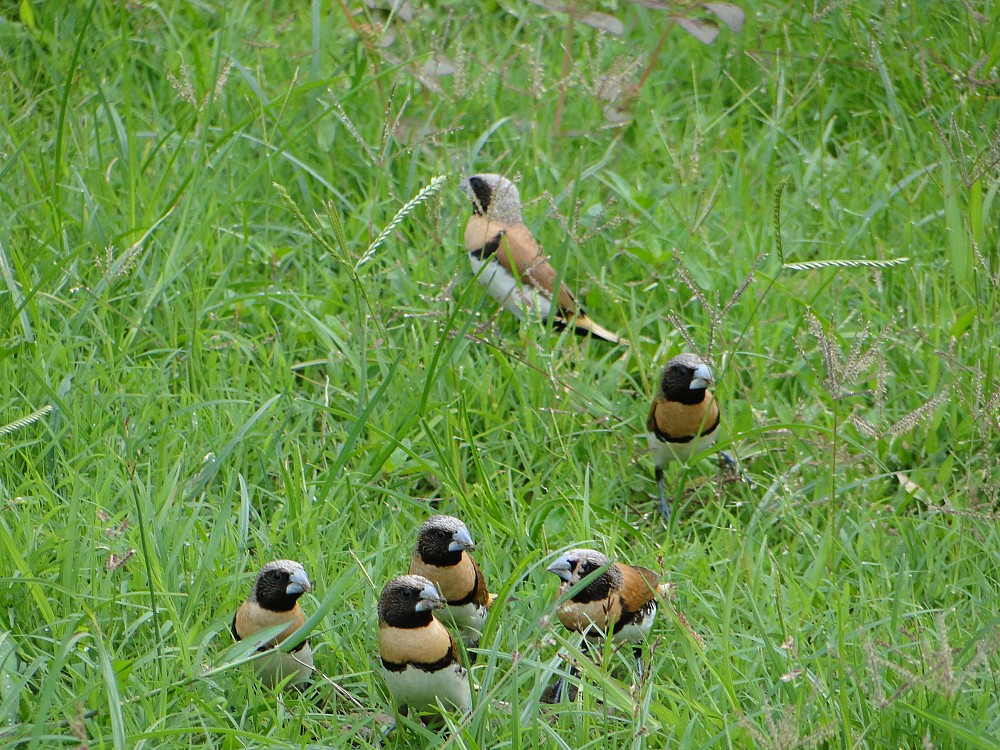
637,653
554,693
732,469
664,505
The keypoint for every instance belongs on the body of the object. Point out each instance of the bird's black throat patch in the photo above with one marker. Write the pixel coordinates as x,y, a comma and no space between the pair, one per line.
483,193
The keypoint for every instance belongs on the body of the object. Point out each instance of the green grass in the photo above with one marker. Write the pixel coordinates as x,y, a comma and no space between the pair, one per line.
213,378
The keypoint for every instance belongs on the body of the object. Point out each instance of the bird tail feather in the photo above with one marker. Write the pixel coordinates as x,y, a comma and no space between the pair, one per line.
586,327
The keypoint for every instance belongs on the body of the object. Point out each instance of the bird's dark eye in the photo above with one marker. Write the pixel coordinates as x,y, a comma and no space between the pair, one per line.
408,593
441,534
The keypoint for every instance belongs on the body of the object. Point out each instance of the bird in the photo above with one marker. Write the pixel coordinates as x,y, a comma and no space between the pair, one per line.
274,601
509,262
418,653
442,556
619,603
683,417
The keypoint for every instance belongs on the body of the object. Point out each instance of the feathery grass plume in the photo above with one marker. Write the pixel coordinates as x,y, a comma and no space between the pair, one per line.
993,276
687,281
785,733
78,726
810,265
122,265
840,369
686,171
716,312
864,428
940,659
184,87
349,124
918,415
571,223
986,410
935,670
972,161
832,374
17,424
425,193
879,667
819,13
610,84
779,192
339,252
682,329
337,226
116,268
390,129
858,361
743,286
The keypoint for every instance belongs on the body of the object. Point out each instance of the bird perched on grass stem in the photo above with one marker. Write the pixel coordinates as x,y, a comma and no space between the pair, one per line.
418,653
619,603
509,263
274,601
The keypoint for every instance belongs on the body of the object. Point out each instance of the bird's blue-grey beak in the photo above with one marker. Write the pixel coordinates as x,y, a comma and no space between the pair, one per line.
298,583
562,568
702,378
430,599
461,540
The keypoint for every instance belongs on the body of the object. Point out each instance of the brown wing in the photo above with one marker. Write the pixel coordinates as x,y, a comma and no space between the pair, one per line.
532,267
673,421
651,418
601,613
638,588
517,251
483,597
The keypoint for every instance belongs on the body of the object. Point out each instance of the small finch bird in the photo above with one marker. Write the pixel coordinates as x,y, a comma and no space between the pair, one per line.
516,273
683,418
442,556
620,602
274,601
418,653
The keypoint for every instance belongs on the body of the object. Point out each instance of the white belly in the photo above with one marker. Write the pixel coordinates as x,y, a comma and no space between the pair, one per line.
468,618
664,453
505,289
637,632
276,666
421,690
